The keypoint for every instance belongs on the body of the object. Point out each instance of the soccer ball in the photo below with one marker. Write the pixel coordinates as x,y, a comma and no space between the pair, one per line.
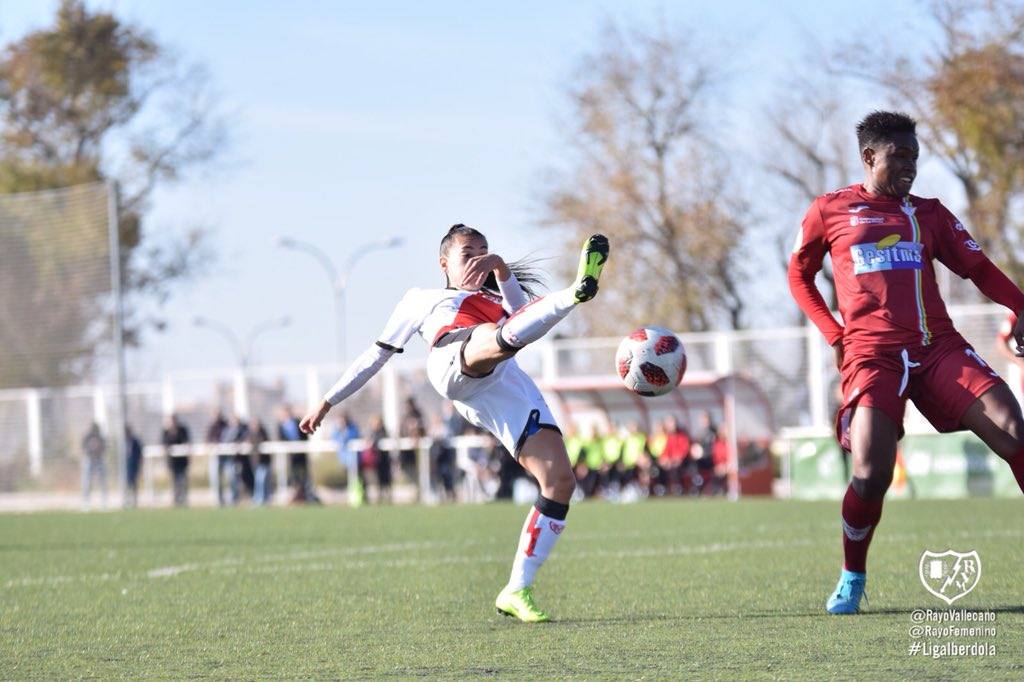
651,361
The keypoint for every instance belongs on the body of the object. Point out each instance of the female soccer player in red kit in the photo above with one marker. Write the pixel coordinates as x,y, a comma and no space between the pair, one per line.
897,341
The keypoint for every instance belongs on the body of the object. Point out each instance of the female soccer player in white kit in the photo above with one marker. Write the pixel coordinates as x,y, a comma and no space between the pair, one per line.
474,327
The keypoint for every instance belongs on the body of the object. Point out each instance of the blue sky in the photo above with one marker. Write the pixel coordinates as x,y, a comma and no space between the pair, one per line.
355,121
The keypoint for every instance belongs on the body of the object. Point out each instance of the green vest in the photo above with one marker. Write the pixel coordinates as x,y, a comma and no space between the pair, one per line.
612,448
633,449
573,445
657,445
593,454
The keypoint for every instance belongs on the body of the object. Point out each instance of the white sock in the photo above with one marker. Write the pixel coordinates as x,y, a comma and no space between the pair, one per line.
537,318
539,535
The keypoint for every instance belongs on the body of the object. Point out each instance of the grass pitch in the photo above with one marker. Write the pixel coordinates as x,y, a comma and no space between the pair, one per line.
661,589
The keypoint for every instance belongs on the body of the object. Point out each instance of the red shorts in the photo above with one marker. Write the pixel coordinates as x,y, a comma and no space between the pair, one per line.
942,379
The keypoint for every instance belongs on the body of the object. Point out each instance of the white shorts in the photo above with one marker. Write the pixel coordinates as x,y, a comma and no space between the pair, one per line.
506,402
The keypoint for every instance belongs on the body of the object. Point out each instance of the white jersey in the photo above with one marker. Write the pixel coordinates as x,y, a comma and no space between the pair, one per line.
434,312
506,402
431,313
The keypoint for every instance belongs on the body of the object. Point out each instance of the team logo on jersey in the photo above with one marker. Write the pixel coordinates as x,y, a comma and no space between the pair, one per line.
856,220
886,242
972,245
950,575
888,253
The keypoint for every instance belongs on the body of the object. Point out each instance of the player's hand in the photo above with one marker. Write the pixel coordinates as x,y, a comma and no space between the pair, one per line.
837,347
312,421
478,267
1018,334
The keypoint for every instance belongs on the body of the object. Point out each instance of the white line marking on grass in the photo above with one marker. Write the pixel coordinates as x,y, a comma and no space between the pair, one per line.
298,555
300,560
681,550
53,580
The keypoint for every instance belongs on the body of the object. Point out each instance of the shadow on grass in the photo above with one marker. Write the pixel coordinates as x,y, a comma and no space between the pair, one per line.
689,617
933,609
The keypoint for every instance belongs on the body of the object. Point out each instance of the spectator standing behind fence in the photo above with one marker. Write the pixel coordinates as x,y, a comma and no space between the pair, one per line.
344,432
216,462
176,433
414,427
94,449
299,475
132,467
260,462
235,433
379,459
449,426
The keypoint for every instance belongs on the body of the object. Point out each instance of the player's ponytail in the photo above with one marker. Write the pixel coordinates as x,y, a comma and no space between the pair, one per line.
530,277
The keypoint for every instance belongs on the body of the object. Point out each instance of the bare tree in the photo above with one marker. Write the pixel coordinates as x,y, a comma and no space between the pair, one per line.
646,172
88,99
968,96
811,150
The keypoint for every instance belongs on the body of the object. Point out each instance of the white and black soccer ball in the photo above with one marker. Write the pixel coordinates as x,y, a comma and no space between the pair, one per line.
651,361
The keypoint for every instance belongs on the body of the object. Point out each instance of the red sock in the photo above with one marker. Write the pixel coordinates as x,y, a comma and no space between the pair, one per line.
1017,467
859,520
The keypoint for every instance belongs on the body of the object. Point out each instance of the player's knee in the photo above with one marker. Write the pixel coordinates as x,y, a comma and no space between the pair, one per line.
562,482
873,483
1014,437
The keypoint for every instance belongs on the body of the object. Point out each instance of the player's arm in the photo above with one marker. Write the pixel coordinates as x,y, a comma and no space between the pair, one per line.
991,281
400,327
805,262
511,292
961,254
355,377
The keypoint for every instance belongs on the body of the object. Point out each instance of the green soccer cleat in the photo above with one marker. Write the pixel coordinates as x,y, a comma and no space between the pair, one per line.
592,259
520,605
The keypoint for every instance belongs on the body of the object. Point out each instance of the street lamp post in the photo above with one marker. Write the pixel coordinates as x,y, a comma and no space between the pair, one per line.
242,348
339,286
338,278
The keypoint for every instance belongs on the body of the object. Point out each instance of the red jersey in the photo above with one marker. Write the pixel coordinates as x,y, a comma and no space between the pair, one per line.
882,250
677,447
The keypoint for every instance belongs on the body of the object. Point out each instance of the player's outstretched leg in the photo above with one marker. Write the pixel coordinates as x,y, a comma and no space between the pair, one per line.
538,317
544,456
996,418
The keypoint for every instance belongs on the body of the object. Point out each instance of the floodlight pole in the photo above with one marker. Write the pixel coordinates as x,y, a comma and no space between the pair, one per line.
119,431
338,279
339,286
243,352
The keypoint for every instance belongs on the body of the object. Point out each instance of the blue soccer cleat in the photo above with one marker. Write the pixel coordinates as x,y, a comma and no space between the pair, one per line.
849,590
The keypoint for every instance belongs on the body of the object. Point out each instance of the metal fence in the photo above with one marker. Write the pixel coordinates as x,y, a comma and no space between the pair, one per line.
41,429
